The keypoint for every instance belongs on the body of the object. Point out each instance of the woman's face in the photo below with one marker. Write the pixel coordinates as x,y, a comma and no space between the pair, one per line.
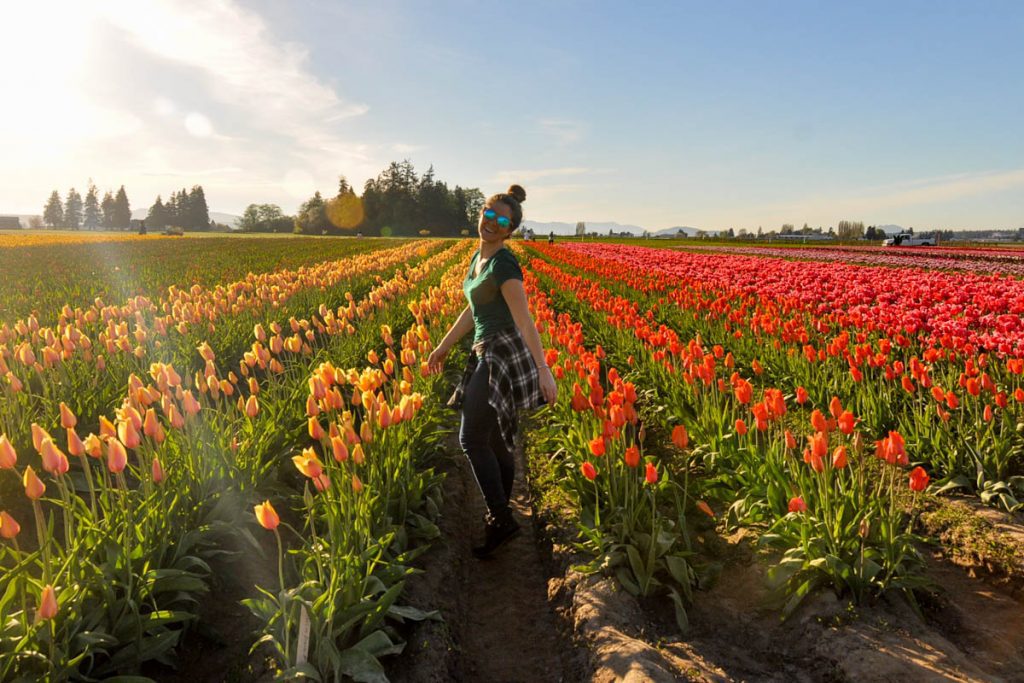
489,227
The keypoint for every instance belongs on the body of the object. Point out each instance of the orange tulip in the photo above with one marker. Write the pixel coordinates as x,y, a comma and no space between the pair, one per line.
54,460
9,527
846,422
597,446
67,418
75,445
8,456
357,483
47,604
339,449
252,406
632,456
801,395
128,433
117,457
308,464
651,474
790,439
818,421
835,407
705,508
357,454
266,515
34,487
157,471
93,446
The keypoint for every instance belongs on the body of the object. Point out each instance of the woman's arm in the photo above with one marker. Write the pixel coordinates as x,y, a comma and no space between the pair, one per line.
459,329
515,297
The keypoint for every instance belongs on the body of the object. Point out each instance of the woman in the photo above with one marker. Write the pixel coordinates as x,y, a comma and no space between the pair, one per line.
506,371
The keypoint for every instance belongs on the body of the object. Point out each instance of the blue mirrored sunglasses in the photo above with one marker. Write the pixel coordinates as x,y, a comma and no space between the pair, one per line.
502,221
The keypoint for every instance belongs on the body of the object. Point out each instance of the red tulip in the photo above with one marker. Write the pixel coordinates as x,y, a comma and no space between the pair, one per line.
801,395
679,437
705,508
797,504
846,422
597,446
651,474
589,471
741,427
632,456
839,457
918,479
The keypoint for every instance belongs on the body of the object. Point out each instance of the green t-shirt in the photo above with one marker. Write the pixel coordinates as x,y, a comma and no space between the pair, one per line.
483,292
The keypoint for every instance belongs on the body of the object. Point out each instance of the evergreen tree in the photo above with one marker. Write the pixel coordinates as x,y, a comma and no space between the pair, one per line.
121,217
91,219
73,210
53,212
158,215
107,207
198,211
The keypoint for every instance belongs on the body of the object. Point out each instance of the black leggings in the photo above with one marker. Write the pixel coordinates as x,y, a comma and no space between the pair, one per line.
480,437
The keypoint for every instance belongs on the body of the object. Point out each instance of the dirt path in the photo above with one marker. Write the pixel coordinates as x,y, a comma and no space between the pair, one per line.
498,624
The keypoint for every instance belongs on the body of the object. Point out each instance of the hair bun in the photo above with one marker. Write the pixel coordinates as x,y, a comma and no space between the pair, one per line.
518,192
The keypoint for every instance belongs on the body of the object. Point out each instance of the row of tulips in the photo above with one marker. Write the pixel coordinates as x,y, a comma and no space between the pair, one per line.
123,545
835,506
367,504
959,408
87,357
631,510
117,268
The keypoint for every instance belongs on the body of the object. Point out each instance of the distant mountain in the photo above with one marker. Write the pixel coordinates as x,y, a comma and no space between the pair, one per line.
685,229
216,216
541,228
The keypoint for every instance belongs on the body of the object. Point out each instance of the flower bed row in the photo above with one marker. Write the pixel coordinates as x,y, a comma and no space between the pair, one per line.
120,551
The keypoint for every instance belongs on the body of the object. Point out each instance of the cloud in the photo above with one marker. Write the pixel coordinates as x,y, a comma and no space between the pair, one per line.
158,87
915,192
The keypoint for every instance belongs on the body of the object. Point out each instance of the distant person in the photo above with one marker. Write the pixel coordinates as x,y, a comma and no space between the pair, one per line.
551,237
507,370
142,227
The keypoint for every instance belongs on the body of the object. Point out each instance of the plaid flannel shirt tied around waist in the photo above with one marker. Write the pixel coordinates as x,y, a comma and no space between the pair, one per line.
514,382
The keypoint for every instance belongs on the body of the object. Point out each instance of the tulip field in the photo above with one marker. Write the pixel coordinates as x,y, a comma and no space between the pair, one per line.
171,408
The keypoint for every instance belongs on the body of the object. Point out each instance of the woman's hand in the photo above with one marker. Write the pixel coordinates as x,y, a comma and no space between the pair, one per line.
548,388
435,363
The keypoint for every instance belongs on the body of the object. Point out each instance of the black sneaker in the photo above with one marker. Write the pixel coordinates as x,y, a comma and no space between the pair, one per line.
499,530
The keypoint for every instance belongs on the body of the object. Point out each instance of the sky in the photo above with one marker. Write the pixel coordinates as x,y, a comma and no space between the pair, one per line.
657,114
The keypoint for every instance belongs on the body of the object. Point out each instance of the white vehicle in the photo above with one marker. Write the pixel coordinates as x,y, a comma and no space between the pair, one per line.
906,239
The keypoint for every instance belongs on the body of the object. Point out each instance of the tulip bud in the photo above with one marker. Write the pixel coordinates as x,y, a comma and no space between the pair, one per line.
157,471
47,604
9,527
266,515
34,487
252,406
8,456
67,418
117,457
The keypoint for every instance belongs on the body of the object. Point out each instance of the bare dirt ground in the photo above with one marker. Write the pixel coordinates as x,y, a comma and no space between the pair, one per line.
499,625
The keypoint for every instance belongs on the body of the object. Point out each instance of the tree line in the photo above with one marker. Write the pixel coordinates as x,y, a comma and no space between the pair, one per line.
74,213
185,209
396,202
